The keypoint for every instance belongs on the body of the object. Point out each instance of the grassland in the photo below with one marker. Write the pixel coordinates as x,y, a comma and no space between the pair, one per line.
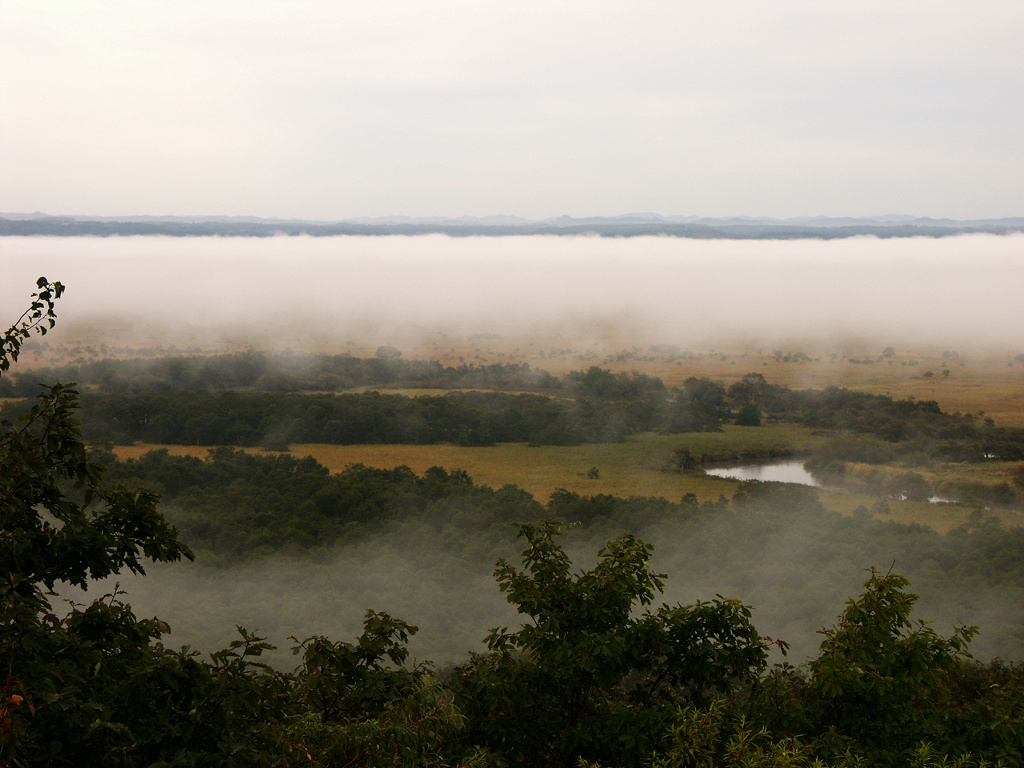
637,467
985,381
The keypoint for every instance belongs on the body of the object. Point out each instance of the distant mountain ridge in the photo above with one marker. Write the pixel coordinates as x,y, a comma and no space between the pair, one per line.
625,225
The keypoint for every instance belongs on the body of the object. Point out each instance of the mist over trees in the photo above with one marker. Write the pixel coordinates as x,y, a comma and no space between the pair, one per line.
232,400
234,507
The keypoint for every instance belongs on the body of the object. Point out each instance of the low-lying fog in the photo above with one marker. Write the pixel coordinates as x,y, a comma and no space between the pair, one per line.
795,582
304,291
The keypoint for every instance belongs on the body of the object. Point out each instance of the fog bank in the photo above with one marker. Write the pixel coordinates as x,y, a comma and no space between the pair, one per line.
303,291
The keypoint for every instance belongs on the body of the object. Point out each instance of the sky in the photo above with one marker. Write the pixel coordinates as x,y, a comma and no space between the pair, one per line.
331,110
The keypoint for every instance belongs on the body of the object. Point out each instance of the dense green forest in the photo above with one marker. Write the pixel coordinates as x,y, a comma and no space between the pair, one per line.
467,418
293,372
248,400
598,669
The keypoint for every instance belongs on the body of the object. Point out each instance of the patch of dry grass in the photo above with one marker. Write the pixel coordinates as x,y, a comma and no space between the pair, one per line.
633,468
636,467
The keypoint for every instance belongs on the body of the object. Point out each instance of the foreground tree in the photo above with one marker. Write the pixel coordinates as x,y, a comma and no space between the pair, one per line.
96,687
586,677
60,522
888,690
882,680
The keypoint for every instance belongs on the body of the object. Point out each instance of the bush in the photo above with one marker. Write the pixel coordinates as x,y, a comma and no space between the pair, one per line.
587,677
749,416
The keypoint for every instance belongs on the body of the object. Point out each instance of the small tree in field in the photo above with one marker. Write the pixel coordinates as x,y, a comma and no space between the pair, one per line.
749,416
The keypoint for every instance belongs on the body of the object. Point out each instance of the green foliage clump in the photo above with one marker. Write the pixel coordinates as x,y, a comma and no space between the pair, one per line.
830,456
234,505
749,416
587,677
888,690
879,674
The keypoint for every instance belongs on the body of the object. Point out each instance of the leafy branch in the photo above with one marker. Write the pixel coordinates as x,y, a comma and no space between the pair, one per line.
38,318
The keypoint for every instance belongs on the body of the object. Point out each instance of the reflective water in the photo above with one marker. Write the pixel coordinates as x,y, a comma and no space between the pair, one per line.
788,471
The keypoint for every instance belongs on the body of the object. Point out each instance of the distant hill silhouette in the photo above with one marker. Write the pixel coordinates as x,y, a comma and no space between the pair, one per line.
629,225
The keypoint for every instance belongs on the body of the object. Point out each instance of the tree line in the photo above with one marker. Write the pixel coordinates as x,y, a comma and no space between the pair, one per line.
891,429
608,406
276,419
295,372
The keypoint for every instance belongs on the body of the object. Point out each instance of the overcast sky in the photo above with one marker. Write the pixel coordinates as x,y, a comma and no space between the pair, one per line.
330,110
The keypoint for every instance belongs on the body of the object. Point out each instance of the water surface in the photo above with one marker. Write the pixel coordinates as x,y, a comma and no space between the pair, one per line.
789,471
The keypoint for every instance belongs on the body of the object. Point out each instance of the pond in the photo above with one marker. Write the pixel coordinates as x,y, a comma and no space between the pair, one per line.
788,471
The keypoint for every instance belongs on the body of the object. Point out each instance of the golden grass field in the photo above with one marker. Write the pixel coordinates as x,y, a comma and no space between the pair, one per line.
633,468
636,467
